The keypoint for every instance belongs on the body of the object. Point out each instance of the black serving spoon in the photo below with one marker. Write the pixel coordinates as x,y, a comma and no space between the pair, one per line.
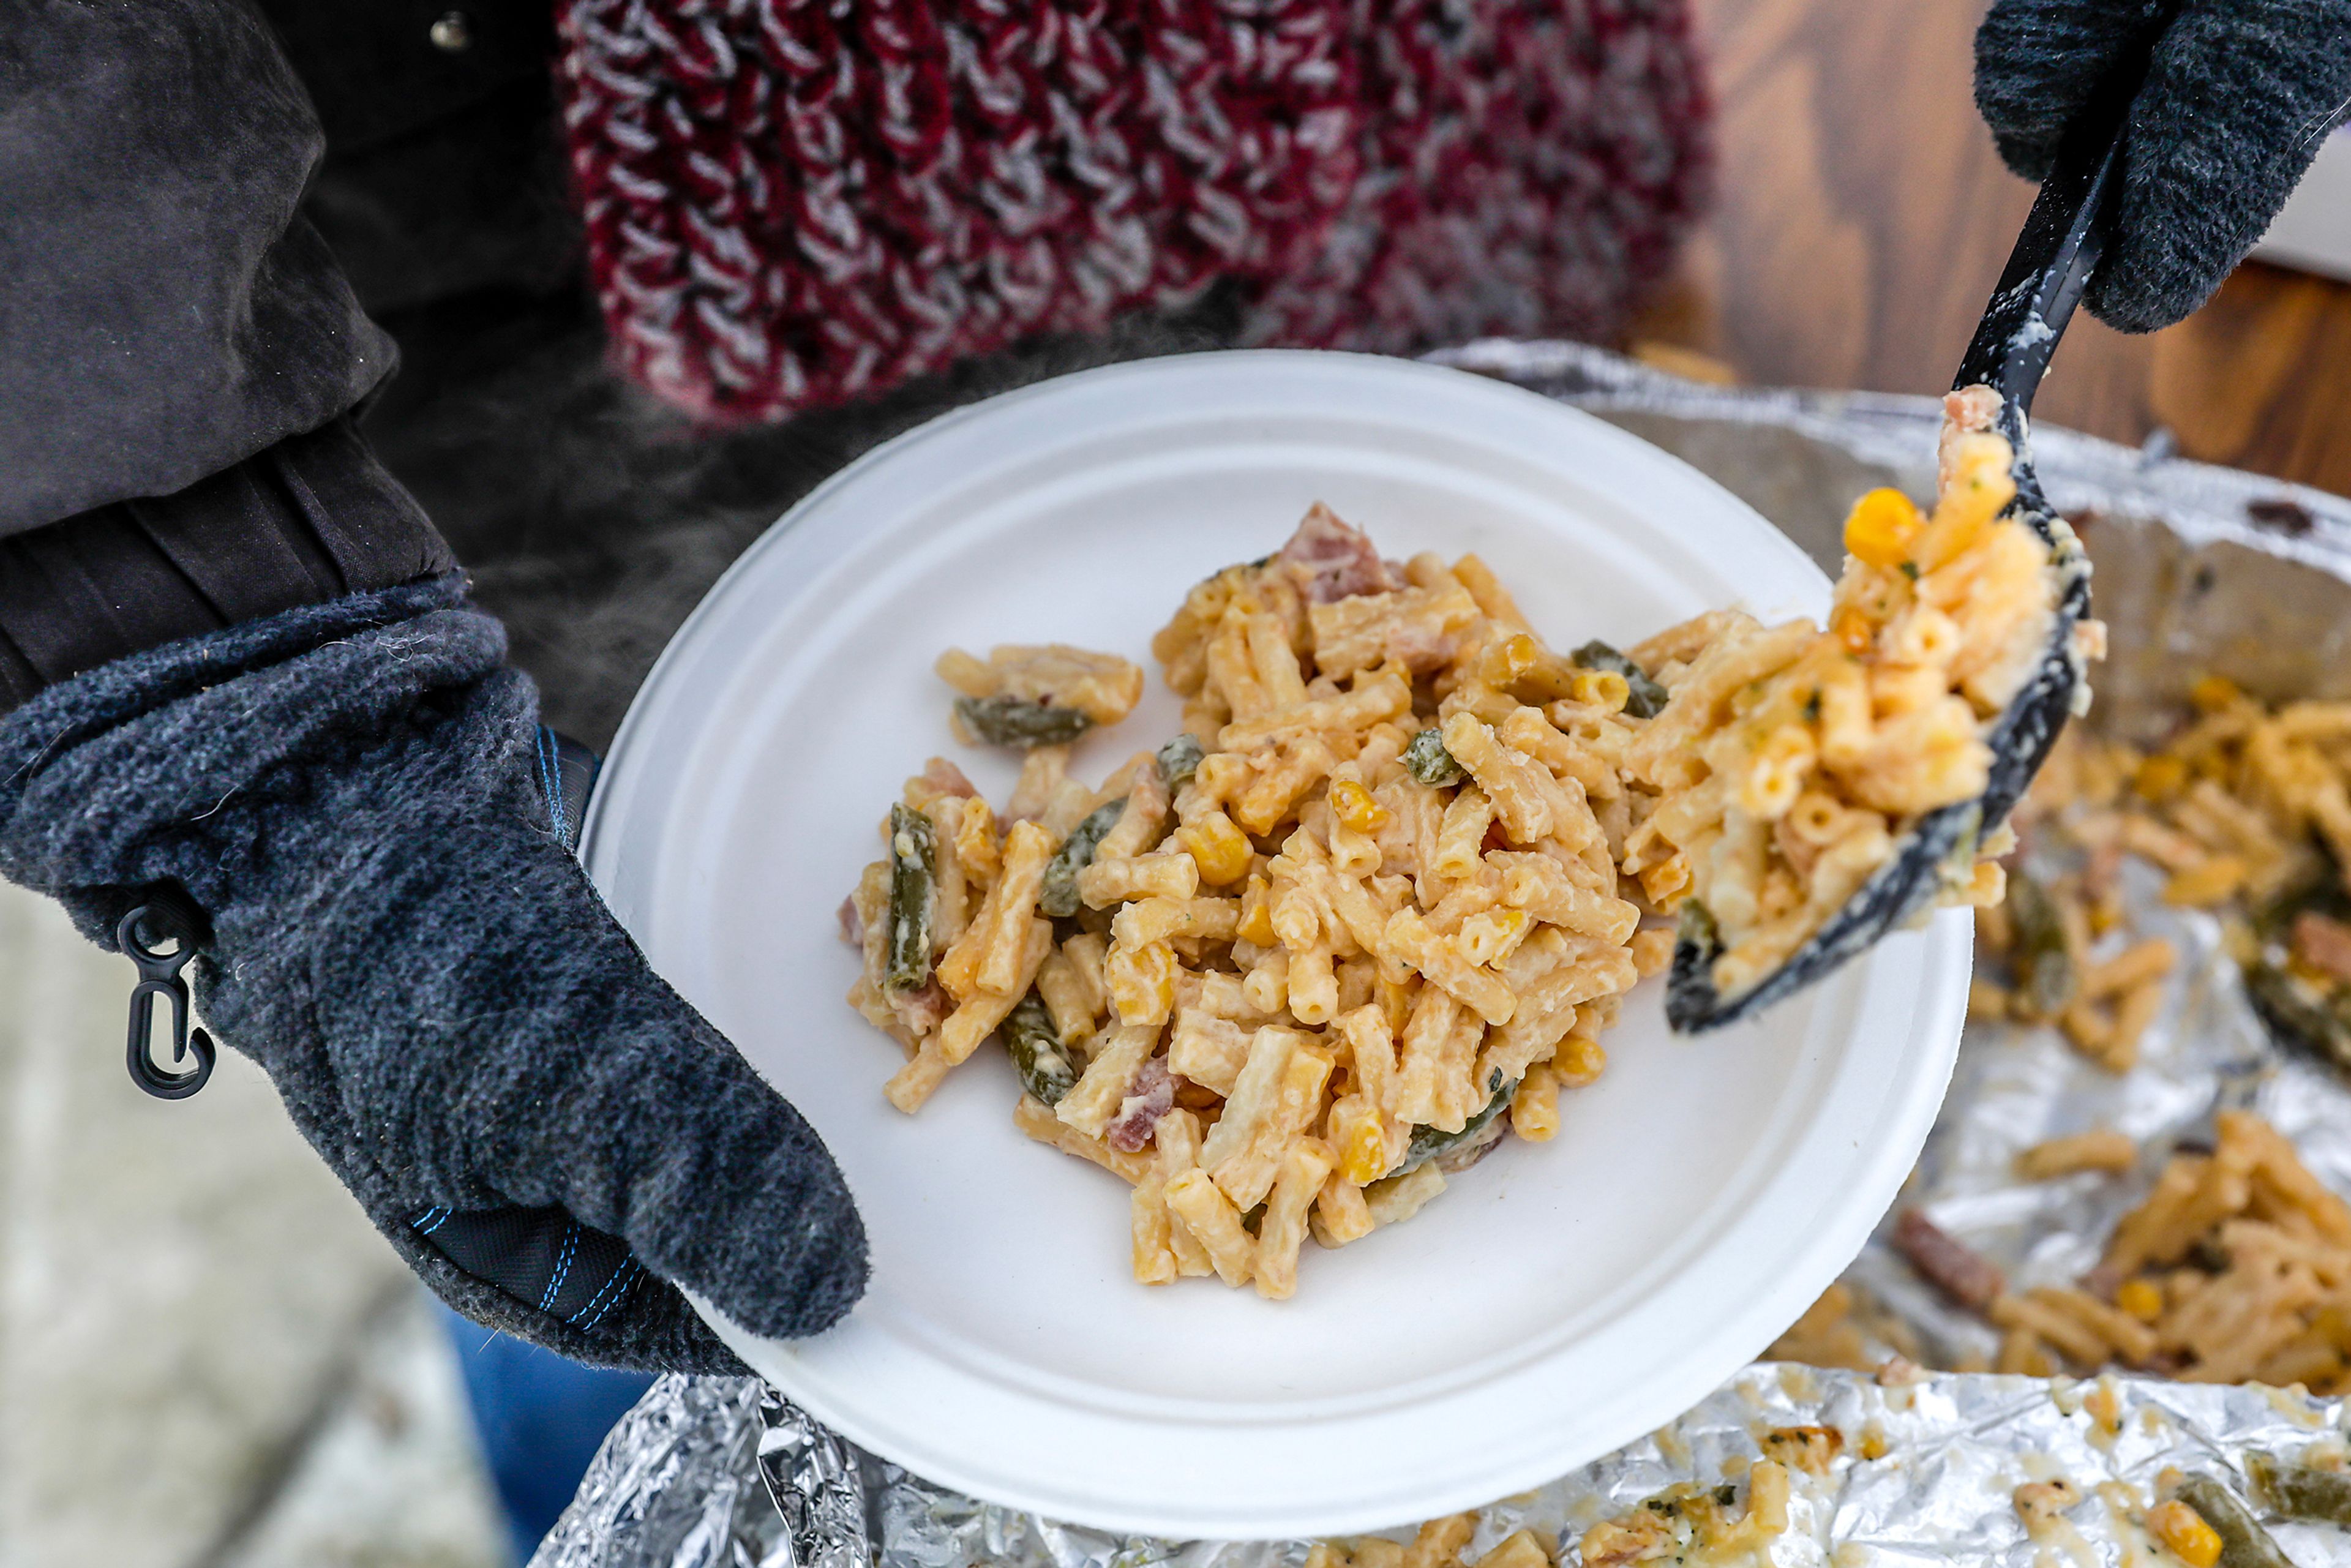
2062,242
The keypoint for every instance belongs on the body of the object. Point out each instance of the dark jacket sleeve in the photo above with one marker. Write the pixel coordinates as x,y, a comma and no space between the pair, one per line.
164,313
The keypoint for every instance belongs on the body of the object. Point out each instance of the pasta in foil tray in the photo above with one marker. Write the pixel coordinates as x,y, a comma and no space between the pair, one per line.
1375,908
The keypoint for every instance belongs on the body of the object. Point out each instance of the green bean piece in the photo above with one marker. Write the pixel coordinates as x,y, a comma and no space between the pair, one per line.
1058,893
1644,697
1038,1055
1427,1144
2300,1004
2297,1011
1179,759
2043,964
913,887
2243,1542
1014,721
1428,760
1695,927
2301,1491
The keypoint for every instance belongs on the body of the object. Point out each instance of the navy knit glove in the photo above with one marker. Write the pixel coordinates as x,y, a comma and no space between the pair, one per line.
545,1130
2239,94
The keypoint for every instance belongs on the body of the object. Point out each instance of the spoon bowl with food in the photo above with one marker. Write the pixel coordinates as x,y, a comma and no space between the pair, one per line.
1820,787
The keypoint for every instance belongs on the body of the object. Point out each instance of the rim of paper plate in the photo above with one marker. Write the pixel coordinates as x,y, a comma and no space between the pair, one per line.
1872,1047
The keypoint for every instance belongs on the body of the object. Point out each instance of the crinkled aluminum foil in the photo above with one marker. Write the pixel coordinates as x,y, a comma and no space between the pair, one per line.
676,1484
1954,1448
2198,569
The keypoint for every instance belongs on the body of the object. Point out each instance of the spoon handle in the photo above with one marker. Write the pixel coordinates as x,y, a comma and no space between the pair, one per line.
2062,242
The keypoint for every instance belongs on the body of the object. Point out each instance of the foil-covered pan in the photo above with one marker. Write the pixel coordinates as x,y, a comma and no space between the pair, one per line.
2197,571
1930,1474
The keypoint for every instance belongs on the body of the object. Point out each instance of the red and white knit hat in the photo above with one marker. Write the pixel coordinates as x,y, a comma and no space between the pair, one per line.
791,203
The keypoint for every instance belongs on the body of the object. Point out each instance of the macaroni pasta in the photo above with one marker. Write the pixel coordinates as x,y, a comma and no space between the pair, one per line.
1287,974
1790,760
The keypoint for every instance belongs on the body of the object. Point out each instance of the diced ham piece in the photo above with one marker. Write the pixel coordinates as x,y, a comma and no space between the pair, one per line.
1971,409
922,1011
2322,942
945,779
1964,412
1151,1096
1452,1162
1335,561
1420,645
1950,1265
852,927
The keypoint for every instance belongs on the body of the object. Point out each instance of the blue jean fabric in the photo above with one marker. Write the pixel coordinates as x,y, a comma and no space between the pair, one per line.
539,1417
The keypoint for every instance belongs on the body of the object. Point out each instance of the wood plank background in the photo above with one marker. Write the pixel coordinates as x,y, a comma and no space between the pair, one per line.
1862,217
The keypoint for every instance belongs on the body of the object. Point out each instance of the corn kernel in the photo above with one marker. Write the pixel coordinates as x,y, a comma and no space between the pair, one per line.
1257,914
1603,689
1362,1148
1579,1061
2182,1529
2142,1299
2213,693
1352,804
1220,850
1852,628
1141,982
2160,777
1879,529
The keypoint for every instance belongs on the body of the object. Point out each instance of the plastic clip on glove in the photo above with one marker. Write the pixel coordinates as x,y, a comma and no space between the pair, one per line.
2239,94
345,793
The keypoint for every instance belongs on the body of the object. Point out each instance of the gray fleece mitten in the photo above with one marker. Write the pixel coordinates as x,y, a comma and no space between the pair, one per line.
548,1133
2239,94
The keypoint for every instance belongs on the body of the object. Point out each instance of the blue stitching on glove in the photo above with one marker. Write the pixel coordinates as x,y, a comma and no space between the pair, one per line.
550,782
588,1306
562,1266
628,1274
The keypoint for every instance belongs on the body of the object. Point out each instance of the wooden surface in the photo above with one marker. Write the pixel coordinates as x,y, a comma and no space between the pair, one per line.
1862,217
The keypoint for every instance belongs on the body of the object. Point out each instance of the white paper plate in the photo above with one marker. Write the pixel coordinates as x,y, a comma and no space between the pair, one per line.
1561,1300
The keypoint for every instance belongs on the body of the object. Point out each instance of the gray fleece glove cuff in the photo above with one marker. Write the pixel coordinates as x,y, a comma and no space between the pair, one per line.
543,1128
2239,94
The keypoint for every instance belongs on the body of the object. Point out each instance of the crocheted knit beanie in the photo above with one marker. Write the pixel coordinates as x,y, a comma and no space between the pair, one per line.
792,203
